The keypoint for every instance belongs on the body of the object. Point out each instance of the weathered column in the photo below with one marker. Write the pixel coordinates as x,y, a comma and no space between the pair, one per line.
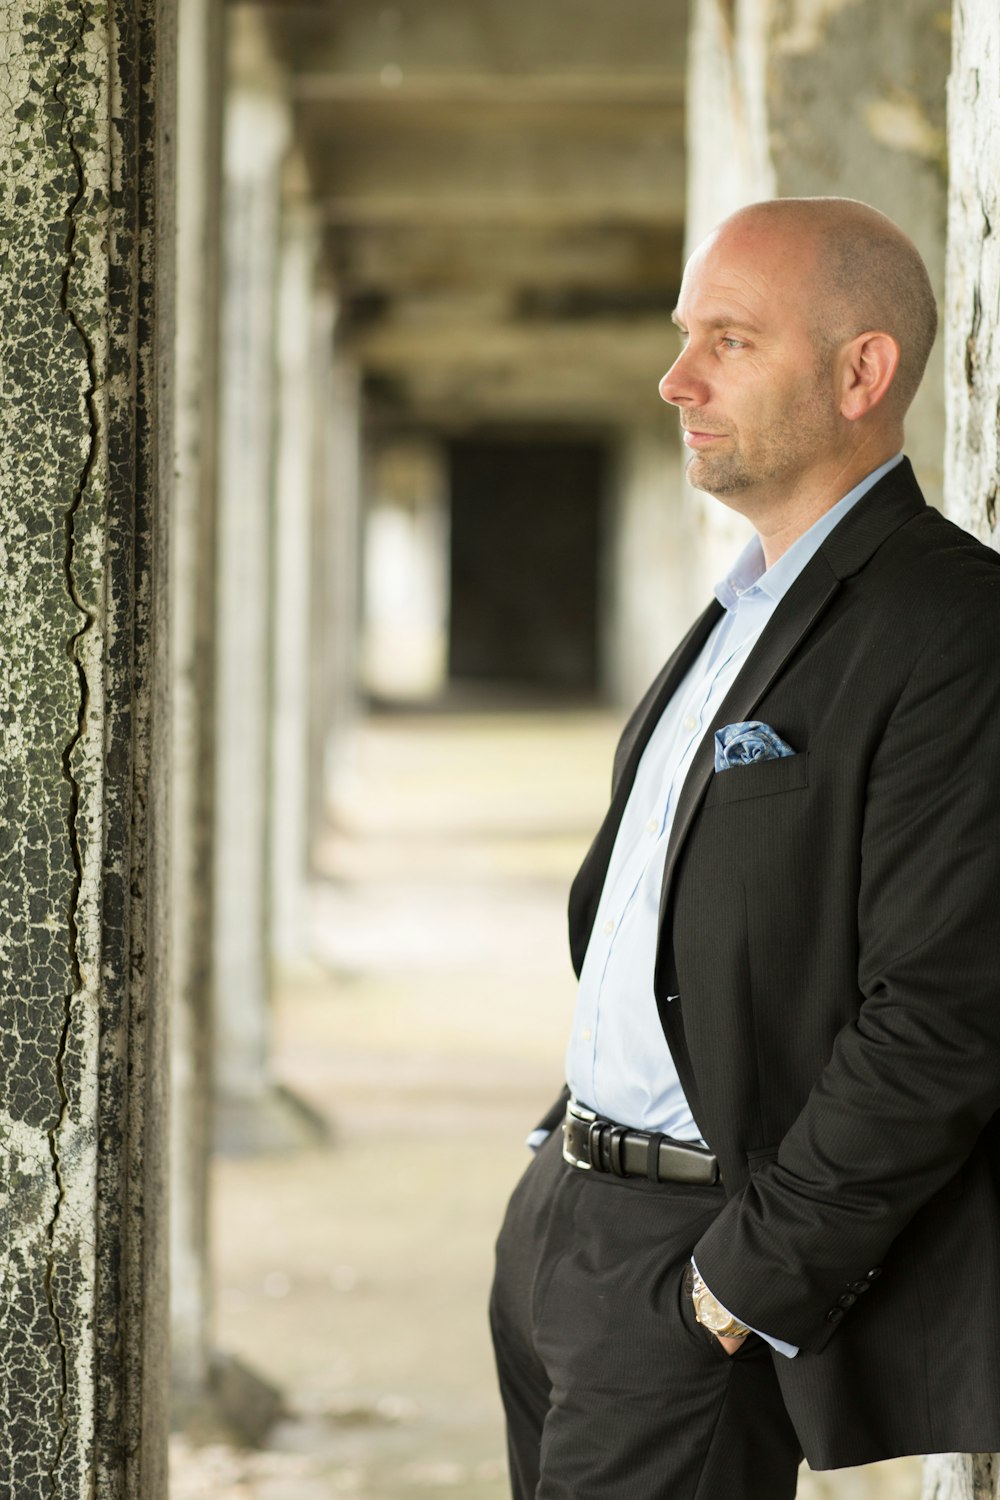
842,99
972,315
256,133
200,75
961,1476
333,688
406,570
972,388
649,592
292,565
85,464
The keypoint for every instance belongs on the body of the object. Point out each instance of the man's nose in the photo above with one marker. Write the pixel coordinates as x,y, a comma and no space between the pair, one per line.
681,385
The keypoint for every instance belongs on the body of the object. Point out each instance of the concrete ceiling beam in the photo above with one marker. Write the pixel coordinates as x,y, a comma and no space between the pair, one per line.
434,257
502,191
405,210
459,398
490,36
391,86
422,343
631,173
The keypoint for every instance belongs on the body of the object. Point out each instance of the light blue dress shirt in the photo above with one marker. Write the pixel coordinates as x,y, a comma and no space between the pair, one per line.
617,1061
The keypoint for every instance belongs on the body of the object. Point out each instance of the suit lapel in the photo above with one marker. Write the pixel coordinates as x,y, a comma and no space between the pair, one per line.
792,620
893,501
585,892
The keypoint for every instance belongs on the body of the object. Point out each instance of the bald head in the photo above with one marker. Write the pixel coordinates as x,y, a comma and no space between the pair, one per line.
862,274
806,324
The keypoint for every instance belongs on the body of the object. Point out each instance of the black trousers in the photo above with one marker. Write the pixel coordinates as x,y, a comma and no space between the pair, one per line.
612,1389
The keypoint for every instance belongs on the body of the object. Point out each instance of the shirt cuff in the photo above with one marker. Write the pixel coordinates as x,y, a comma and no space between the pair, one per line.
536,1139
788,1350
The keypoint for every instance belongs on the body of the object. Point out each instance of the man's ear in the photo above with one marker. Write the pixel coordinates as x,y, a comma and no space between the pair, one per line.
868,365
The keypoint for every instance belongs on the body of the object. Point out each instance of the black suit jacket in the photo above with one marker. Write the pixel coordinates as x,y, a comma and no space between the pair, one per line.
830,924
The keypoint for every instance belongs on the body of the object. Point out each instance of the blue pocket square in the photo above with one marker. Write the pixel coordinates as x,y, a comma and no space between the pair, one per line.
742,744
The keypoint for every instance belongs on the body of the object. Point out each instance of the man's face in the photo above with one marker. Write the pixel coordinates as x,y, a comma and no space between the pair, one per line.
756,401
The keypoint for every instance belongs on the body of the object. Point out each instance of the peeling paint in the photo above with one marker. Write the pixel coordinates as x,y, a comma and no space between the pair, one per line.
972,307
972,388
69,332
88,619
43,458
960,1476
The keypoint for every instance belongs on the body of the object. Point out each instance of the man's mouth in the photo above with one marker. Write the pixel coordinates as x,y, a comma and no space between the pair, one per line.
695,438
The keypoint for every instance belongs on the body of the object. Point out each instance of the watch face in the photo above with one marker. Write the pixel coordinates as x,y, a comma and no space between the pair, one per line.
710,1313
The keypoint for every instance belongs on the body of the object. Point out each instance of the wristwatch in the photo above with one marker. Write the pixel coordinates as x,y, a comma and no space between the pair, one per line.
710,1312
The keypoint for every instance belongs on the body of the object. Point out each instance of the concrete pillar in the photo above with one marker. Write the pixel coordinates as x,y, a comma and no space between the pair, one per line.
406,571
649,594
334,659
843,99
972,314
292,563
961,1476
200,76
972,386
85,465
256,134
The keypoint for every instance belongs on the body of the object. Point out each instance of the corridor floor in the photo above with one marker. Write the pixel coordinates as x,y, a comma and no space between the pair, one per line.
428,1029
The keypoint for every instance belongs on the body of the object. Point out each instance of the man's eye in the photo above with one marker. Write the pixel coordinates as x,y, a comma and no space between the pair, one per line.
732,343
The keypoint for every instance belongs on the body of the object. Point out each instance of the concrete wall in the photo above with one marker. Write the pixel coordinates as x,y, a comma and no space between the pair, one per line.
789,98
84,481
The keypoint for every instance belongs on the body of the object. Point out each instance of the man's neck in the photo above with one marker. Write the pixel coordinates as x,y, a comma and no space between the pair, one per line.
781,519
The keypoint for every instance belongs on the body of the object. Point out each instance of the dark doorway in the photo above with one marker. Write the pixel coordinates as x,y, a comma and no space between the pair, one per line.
525,532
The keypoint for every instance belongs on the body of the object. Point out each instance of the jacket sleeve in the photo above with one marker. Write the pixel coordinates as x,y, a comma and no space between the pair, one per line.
913,1079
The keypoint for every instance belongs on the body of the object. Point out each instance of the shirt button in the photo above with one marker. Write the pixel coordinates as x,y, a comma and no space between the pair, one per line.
586,1034
690,722
653,826
609,926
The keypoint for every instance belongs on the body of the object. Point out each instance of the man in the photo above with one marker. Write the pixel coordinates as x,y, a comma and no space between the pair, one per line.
770,1224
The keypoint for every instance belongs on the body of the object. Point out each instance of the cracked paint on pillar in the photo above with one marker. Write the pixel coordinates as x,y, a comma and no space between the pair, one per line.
54,201
960,1476
972,303
972,391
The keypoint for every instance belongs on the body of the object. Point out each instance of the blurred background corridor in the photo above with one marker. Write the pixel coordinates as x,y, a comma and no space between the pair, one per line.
439,506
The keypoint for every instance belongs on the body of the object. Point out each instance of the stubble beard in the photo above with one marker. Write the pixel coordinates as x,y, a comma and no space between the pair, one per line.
720,473
777,456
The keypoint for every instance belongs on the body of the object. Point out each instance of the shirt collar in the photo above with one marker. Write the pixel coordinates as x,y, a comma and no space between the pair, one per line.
748,572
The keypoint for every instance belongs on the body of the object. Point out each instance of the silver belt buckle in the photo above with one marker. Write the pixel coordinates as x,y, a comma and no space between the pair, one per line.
586,1117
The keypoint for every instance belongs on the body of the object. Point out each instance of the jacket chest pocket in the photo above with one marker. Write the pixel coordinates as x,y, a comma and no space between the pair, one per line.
762,778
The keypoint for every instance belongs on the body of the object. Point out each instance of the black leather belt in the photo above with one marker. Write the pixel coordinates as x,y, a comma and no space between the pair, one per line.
591,1142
